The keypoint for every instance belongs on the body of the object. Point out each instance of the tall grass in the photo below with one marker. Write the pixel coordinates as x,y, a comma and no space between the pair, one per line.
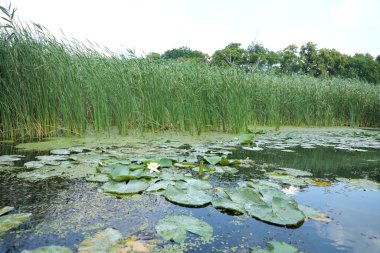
49,87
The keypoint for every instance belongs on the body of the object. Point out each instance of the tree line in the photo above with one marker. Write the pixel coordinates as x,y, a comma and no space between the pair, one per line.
307,59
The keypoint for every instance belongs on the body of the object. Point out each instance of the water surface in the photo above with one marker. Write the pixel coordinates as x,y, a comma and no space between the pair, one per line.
67,209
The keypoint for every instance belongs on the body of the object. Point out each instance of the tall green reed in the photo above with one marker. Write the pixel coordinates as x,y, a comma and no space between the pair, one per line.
50,87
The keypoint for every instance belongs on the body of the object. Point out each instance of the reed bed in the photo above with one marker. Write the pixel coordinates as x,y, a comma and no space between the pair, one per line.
49,87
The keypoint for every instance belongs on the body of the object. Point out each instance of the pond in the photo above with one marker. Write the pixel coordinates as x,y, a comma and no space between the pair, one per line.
212,193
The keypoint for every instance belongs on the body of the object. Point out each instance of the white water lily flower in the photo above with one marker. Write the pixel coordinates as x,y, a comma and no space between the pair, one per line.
153,167
291,190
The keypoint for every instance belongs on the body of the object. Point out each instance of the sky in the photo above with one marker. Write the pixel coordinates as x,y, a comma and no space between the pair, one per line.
349,26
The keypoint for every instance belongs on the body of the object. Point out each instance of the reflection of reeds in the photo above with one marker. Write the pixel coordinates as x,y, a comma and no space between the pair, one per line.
47,85
322,162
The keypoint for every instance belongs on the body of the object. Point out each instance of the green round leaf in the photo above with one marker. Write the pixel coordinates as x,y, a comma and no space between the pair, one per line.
6,209
103,241
133,186
49,249
282,212
123,173
188,196
10,221
174,228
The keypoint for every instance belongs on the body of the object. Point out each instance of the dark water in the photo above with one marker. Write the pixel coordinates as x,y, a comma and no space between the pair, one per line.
67,210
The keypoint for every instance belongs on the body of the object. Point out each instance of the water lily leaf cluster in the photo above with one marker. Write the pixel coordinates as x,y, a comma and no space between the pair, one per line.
108,240
346,140
9,159
9,221
265,203
361,184
291,176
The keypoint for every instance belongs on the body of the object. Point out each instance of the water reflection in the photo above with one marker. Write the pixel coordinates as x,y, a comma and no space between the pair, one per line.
64,211
355,225
321,161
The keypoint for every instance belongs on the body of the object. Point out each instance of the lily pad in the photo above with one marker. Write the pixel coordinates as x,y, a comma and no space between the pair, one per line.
246,139
171,176
34,164
60,152
294,172
92,158
165,163
49,249
191,159
262,184
227,204
321,182
314,214
10,221
220,192
133,244
188,196
198,184
281,212
123,173
244,195
103,241
133,186
5,209
222,160
213,160
52,158
136,166
204,169
276,247
230,170
268,194
79,149
185,165
97,178
108,169
160,185
362,184
174,228
8,159
252,148
40,175
288,179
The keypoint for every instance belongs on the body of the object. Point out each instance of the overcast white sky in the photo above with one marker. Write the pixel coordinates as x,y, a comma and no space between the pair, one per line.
350,26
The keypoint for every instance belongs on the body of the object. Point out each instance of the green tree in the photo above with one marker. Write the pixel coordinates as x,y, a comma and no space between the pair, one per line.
273,59
184,53
364,66
309,59
231,55
256,54
290,61
378,59
153,56
331,62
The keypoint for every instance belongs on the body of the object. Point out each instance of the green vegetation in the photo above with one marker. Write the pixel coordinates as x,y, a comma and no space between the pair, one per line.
50,87
306,60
